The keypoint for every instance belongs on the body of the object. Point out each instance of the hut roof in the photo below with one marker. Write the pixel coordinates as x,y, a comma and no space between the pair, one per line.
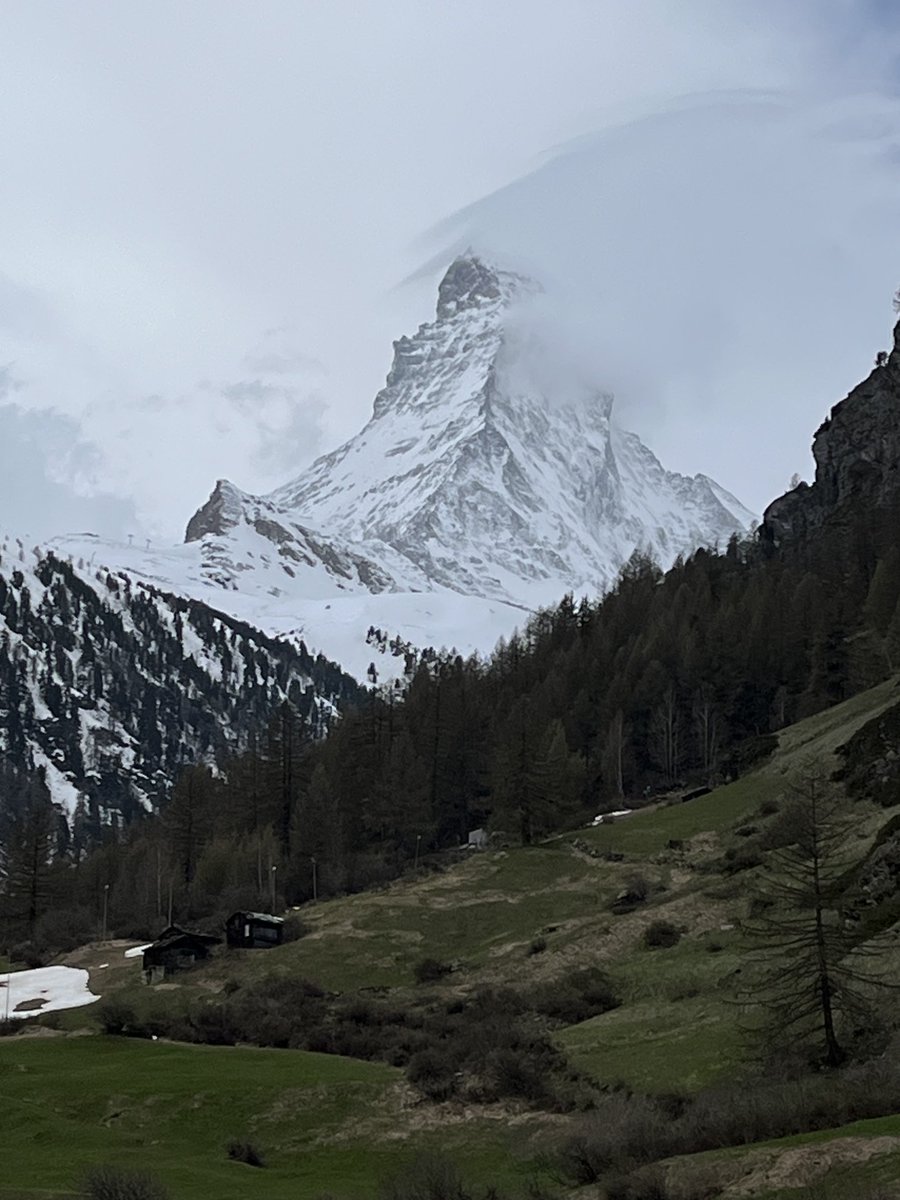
256,916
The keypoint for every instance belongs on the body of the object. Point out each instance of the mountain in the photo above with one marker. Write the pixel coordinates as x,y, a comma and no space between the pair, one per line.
111,685
484,485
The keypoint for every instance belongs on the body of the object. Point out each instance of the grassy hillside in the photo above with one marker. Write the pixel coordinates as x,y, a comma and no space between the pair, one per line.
515,917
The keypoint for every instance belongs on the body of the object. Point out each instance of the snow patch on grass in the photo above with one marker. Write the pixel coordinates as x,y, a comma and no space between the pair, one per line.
46,989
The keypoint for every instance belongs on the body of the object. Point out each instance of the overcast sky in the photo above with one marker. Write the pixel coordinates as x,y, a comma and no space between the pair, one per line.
215,217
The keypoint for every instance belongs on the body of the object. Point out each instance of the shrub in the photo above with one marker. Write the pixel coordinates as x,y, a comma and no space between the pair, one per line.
581,995
430,970
112,1183
9,1027
118,1017
660,935
295,928
537,946
636,892
630,1131
245,1152
434,1073
29,955
646,1184
428,1177
518,1073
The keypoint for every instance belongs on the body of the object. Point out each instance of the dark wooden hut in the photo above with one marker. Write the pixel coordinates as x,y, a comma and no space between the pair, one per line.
254,931
176,949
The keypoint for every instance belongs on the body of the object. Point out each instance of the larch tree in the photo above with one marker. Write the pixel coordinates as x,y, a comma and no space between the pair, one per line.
809,977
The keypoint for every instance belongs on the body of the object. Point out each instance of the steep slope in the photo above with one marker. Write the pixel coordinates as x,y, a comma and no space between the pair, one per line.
112,686
857,453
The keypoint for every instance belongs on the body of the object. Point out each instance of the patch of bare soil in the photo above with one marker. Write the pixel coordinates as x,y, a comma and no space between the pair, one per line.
402,1112
31,1030
34,1005
764,1171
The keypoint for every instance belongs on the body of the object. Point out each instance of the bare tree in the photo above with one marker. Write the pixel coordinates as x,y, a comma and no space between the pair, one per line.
614,753
665,735
706,727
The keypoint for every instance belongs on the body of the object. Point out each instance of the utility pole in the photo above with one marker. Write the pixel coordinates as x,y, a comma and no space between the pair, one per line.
105,908
418,843
315,880
272,872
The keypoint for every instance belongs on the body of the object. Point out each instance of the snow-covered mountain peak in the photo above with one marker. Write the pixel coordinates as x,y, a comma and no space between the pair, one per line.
490,479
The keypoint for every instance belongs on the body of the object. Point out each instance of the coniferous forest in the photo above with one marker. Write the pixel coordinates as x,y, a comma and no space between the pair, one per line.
671,679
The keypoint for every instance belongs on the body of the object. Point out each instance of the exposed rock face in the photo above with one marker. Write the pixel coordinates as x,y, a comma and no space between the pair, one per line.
221,512
857,453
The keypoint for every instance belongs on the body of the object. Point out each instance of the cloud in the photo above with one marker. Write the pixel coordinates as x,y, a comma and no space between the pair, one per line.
178,178
712,263
258,423
41,457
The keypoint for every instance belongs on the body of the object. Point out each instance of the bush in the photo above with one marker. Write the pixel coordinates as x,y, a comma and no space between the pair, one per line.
245,1152
660,935
112,1183
630,1131
29,955
537,946
636,892
433,1073
646,1184
517,1073
581,995
118,1017
9,1027
429,1177
295,928
430,970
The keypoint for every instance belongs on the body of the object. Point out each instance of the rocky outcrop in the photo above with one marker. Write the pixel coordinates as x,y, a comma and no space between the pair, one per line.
221,512
857,454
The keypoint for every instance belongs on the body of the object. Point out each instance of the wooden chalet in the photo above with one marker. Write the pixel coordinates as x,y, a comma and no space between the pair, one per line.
254,931
176,949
